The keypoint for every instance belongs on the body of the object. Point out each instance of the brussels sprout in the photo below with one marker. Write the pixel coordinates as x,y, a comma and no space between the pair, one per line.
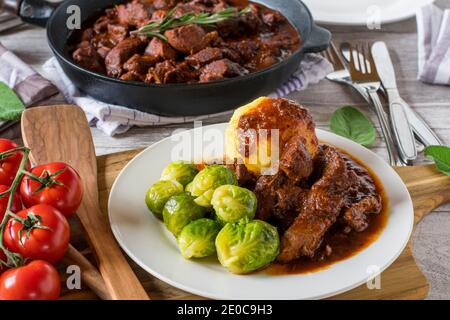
181,171
179,211
198,238
208,180
246,247
232,204
159,193
188,188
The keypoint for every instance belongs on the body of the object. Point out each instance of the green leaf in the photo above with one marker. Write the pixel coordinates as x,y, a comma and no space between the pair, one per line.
353,124
10,105
441,156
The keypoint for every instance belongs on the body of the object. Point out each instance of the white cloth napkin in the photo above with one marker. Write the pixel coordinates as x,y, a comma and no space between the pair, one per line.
433,31
113,119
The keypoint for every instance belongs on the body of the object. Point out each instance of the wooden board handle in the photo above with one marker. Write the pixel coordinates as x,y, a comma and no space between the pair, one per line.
428,187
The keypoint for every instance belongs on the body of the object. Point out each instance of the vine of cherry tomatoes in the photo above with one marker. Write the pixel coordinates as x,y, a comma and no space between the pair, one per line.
34,232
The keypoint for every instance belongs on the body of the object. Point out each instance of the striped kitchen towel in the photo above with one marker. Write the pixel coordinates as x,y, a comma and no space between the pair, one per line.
433,30
29,86
113,119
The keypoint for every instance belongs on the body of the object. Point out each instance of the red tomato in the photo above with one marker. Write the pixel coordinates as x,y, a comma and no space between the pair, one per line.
63,191
10,164
16,204
44,244
37,280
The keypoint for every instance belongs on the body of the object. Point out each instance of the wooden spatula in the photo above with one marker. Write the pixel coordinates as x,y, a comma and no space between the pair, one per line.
61,133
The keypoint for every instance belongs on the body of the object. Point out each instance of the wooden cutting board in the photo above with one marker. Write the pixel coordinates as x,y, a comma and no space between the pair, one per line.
402,280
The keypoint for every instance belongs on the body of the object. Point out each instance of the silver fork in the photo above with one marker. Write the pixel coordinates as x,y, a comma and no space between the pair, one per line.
340,73
363,72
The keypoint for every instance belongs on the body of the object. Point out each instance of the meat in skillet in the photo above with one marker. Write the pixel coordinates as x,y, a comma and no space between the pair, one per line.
192,53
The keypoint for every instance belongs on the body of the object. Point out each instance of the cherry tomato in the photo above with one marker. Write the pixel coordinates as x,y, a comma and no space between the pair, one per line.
10,164
16,204
37,280
45,234
61,188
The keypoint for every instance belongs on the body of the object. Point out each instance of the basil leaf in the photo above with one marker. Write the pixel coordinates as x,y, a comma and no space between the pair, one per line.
441,156
353,124
10,105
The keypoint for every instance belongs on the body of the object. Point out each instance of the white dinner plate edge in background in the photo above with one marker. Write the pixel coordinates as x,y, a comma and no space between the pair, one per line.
332,14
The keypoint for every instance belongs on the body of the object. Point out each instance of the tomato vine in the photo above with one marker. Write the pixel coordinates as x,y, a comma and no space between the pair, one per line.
15,258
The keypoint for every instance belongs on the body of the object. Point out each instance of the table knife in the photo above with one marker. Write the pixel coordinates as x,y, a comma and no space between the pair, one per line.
424,134
399,119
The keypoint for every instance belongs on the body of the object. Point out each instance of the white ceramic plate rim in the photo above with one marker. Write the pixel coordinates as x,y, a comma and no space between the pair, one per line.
358,18
209,279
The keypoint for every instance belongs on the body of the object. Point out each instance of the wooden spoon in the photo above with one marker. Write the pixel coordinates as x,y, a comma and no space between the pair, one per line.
61,133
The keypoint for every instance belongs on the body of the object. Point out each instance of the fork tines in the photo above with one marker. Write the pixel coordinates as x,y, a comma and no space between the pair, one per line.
332,55
362,65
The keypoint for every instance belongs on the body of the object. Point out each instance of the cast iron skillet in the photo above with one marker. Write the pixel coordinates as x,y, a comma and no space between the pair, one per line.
184,99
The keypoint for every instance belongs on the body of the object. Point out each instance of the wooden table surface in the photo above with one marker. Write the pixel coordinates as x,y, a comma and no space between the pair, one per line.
432,240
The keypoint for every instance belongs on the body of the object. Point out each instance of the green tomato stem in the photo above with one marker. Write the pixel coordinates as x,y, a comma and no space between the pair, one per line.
9,152
15,258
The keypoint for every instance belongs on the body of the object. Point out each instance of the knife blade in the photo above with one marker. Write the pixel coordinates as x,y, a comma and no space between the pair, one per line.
399,119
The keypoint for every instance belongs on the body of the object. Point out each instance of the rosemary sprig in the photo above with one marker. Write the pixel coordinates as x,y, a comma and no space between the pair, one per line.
157,28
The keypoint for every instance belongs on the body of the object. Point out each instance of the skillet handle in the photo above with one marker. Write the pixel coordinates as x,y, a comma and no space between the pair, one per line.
319,40
36,11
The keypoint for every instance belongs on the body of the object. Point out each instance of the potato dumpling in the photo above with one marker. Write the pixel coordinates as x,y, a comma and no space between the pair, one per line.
249,134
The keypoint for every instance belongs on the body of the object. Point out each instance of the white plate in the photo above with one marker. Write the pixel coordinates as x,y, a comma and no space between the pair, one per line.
151,246
359,12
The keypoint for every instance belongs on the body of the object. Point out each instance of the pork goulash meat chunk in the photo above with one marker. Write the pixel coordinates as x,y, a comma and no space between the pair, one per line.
362,198
160,50
190,39
221,69
89,58
205,56
245,178
320,211
139,64
296,162
279,195
137,67
170,71
117,33
265,191
135,13
120,54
